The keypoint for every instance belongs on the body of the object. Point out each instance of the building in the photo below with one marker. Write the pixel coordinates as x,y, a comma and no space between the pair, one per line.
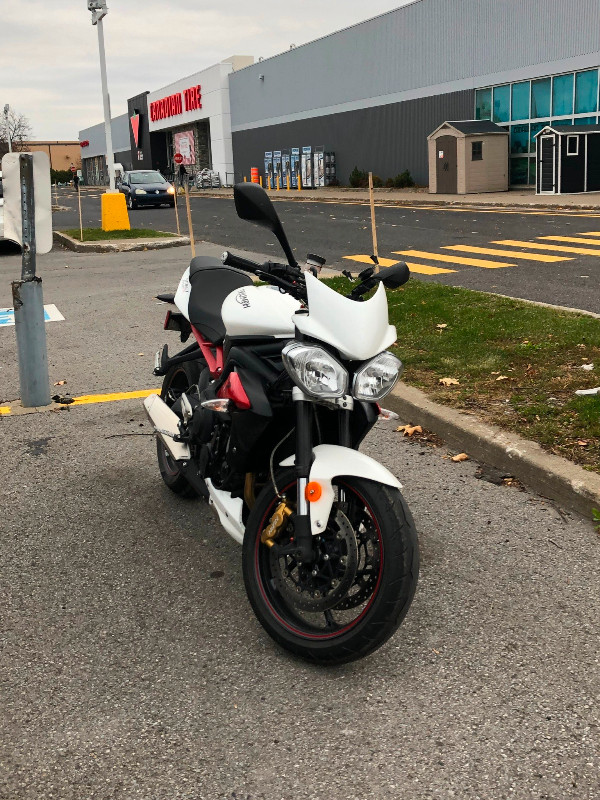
190,117
62,155
372,93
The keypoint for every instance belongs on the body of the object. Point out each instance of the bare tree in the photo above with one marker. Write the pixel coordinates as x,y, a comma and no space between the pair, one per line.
19,129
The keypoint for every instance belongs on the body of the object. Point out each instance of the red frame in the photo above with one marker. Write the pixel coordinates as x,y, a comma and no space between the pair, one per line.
213,359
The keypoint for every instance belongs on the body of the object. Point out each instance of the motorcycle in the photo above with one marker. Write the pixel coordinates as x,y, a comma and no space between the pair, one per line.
262,416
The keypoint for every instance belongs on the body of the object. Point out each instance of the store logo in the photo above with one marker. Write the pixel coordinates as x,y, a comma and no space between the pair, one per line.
174,105
135,128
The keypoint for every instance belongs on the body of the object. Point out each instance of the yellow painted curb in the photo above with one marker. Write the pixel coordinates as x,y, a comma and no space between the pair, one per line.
114,212
84,399
4,409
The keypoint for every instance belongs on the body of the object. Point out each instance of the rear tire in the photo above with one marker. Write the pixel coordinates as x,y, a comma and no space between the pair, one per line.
350,626
177,380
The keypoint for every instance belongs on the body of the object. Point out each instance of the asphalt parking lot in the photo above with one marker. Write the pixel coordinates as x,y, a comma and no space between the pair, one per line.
131,663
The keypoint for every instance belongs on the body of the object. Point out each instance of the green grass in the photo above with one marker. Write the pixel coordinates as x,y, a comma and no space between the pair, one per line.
538,350
98,235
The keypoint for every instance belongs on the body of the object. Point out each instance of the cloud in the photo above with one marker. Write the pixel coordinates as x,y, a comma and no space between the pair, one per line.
49,51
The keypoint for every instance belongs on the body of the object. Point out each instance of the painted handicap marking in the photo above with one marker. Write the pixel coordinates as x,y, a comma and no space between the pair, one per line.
51,314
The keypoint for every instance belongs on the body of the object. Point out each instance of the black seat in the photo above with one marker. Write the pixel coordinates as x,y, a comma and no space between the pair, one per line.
211,282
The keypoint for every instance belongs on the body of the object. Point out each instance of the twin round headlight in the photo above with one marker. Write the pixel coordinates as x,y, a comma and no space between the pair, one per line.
320,375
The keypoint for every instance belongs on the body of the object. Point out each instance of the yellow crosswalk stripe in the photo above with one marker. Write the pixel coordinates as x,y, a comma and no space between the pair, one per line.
581,251
589,233
573,239
489,251
425,269
383,262
472,262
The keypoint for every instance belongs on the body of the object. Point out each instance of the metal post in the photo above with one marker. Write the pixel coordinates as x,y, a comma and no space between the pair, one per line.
6,110
110,159
28,303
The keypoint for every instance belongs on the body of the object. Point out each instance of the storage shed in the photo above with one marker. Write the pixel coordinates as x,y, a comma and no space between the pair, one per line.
568,159
468,156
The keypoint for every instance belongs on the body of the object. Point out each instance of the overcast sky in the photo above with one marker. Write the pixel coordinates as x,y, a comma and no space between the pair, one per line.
49,67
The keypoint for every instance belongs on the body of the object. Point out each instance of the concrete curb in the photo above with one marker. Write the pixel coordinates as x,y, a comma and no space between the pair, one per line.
548,475
119,245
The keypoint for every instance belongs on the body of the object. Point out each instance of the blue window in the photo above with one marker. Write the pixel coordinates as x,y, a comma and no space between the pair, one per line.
534,128
562,95
519,171
519,138
562,122
520,100
540,98
586,91
483,104
585,121
502,103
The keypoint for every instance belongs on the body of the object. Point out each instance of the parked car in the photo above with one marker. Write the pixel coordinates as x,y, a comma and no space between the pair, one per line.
146,187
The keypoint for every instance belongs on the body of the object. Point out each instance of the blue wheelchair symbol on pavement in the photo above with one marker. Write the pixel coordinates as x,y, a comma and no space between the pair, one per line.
51,314
7,316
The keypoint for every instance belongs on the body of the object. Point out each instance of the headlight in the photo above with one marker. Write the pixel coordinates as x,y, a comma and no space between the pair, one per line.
377,377
141,191
315,371
171,190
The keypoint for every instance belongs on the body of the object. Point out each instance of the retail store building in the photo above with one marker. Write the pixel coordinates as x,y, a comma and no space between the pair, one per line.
372,93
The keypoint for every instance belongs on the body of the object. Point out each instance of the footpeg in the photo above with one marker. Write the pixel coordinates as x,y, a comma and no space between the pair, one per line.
161,359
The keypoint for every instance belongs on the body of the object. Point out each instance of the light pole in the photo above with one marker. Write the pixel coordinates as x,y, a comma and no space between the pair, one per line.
6,110
99,11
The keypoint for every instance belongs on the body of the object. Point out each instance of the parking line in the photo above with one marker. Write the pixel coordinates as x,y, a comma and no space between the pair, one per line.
4,410
572,239
589,233
488,251
87,399
383,262
425,269
471,262
581,251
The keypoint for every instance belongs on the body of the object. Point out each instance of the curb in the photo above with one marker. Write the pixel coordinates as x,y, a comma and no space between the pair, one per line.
548,475
118,245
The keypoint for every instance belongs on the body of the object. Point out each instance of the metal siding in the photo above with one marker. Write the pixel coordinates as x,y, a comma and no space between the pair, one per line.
427,44
97,139
385,140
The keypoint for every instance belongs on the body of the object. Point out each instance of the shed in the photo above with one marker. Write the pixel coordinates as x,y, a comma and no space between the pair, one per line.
468,156
568,159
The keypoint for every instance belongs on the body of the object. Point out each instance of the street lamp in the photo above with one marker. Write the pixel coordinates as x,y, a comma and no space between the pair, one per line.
99,11
6,110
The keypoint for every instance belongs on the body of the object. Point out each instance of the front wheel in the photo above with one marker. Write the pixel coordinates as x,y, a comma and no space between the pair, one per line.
359,587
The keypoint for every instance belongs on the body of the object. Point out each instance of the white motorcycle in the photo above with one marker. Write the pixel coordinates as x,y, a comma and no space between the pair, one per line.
263,414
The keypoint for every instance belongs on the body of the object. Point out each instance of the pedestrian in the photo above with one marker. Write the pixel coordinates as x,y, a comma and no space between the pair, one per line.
76,181
182,174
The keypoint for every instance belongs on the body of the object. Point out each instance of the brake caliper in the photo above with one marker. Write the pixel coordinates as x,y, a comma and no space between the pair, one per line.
276,523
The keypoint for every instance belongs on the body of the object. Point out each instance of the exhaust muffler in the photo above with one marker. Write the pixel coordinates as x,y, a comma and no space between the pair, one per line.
166,425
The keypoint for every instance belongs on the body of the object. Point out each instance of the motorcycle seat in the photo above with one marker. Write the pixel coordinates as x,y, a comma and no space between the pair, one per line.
211,282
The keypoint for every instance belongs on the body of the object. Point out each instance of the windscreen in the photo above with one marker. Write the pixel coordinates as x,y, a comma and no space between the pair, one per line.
146,177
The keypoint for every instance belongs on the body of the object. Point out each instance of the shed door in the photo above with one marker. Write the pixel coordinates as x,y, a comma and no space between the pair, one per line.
547,165
593,162
445,156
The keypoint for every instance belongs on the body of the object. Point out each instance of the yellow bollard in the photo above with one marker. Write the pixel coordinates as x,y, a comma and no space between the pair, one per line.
245,181
260,179
287,177
277,179
299,183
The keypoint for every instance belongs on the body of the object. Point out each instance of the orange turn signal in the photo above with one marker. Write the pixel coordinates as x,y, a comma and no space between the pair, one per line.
313,492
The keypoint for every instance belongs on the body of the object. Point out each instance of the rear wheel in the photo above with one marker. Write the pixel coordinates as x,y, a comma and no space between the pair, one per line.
355,593
178,379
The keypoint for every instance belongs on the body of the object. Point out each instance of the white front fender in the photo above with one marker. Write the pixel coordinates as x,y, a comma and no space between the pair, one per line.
332,461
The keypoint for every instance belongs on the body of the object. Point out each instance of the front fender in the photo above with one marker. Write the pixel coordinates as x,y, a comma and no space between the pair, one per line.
332,461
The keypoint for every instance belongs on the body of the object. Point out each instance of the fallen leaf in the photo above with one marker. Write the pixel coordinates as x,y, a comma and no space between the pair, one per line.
582,443
494,373
502,378
60,383
409,430
460,457
588,367
449,382
441,326
140,354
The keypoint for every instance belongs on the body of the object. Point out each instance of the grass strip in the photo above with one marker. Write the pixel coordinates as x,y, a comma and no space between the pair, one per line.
517,365
98,235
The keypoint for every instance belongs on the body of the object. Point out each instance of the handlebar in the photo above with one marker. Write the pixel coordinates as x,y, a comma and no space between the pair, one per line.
286,277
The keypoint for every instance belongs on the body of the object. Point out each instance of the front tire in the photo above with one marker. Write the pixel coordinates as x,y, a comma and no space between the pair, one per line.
371,530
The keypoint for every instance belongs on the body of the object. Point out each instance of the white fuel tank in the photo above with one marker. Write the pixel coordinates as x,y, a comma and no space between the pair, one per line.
259,311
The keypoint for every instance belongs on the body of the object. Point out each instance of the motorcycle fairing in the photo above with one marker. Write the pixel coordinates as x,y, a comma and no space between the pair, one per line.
332,461
357,330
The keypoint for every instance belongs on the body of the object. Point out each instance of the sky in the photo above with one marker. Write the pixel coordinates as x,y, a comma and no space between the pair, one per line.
49,67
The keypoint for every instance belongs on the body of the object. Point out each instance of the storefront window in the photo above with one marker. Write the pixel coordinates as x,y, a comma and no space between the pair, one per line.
534,128
519,171
519,138
540,98
483,104
586,91
502,103
532,171
585,121
562,95
520,100
562,122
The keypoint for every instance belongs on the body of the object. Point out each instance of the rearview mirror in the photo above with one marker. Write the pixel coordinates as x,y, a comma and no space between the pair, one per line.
393,277
252,203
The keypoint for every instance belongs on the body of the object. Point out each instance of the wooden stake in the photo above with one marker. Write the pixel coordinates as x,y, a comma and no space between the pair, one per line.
189,218
80,222
373,226
176,211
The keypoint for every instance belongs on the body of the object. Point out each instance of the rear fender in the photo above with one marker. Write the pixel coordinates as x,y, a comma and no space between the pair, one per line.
332,461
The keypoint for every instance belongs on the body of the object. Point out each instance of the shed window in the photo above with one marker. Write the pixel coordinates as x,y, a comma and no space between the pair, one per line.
476,151
572,145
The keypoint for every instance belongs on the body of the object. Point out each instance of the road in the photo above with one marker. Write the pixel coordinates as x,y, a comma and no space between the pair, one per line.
554,257
132,666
